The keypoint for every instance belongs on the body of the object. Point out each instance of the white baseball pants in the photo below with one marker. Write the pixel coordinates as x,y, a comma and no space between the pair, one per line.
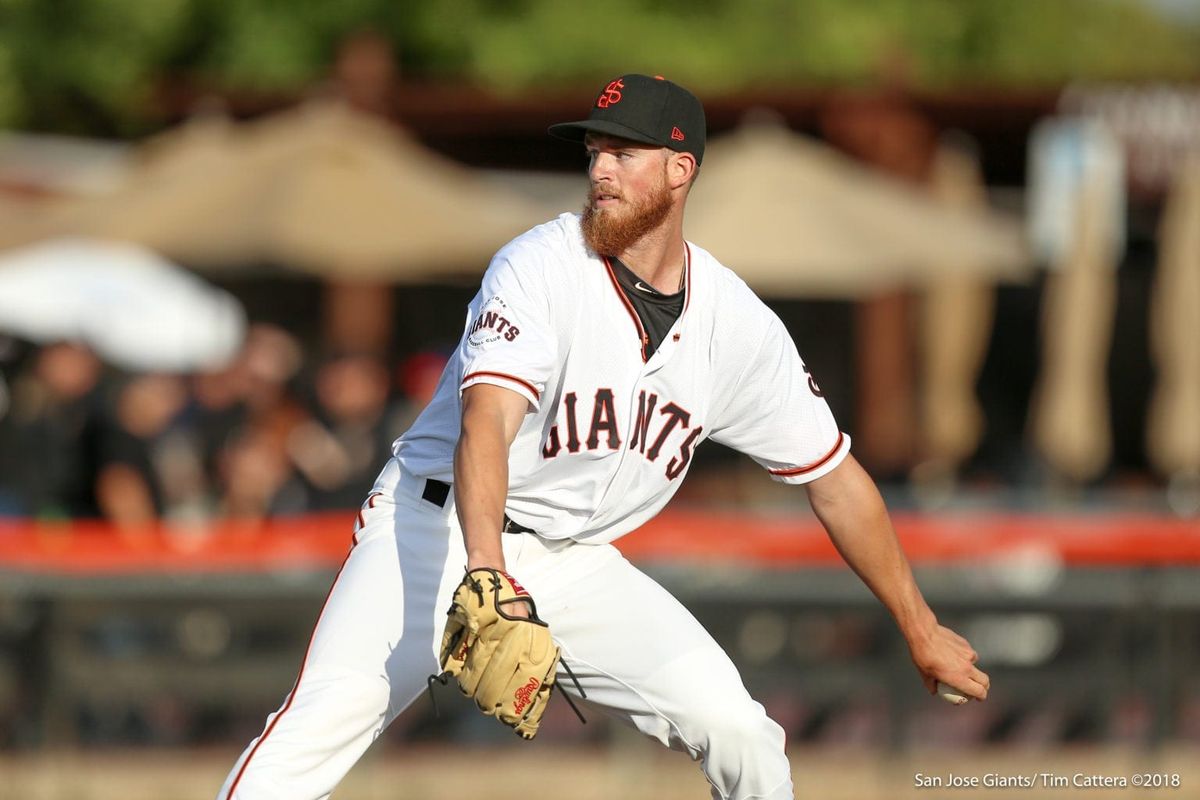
636,651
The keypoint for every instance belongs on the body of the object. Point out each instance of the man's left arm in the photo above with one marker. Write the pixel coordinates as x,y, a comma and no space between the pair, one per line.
853,513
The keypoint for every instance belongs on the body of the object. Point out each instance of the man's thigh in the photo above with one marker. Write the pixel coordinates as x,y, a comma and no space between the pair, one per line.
636,650
643,658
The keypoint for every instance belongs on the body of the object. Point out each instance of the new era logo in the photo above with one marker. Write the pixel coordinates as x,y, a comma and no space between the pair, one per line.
677,134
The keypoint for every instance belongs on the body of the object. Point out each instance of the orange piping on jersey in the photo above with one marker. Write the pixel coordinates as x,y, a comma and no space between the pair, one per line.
536,394
642,337
787,473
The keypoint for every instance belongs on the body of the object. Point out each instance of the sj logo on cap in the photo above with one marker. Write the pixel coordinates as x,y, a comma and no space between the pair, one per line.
611,94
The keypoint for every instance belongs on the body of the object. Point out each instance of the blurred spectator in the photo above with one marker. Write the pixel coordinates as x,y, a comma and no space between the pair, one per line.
49,436
10,501
8,353
218,412
254,474
146,466
234,442
271,357
339,451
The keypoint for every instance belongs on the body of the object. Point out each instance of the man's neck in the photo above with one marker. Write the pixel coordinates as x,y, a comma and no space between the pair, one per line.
658,257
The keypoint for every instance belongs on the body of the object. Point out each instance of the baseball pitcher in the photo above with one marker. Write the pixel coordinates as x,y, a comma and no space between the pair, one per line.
601,350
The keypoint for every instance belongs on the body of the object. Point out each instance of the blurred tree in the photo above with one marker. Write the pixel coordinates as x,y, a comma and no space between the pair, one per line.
91,65
81,65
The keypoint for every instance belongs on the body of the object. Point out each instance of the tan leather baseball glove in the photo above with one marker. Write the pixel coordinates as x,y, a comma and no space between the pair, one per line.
506,663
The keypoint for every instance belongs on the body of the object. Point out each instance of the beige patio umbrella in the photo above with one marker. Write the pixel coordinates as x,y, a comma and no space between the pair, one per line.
321,188
1069,410
955,323
1173,426
25,220
795,218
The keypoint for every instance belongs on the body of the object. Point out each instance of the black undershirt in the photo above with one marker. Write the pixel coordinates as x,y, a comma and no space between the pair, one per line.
656,310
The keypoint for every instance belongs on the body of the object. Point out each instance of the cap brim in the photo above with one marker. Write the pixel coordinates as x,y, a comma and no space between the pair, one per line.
576,131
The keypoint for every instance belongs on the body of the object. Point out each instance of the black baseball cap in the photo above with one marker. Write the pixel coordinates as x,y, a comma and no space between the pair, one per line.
645,109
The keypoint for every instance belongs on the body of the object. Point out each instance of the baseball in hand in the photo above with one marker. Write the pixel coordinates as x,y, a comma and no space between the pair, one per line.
950,694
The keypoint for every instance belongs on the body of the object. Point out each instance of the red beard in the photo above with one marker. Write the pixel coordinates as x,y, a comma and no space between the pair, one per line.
612,231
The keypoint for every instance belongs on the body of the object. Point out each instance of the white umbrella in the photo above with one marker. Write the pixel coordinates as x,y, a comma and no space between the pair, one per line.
135,309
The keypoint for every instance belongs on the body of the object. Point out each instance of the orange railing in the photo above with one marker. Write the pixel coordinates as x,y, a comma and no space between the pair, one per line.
318,541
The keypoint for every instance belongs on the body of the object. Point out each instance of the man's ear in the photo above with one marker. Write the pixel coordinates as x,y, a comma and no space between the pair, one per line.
680,169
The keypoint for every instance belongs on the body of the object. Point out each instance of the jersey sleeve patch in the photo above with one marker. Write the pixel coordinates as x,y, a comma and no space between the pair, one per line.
494,323
509,337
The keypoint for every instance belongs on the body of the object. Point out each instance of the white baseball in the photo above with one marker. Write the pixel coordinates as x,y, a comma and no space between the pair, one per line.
950,694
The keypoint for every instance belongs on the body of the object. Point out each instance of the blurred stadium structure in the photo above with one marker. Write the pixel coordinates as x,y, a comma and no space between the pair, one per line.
999,288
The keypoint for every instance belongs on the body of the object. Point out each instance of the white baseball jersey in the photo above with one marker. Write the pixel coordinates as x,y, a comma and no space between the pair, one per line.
611,432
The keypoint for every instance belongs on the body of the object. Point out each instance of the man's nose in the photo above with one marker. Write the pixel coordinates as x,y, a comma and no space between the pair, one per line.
601,166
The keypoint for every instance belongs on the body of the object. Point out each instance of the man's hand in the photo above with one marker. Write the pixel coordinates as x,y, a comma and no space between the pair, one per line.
945,656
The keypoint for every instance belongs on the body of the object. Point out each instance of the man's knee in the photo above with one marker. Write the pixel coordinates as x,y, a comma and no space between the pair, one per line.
742,750
744,726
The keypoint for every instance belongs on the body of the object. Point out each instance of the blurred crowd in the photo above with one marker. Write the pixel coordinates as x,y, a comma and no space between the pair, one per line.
272,433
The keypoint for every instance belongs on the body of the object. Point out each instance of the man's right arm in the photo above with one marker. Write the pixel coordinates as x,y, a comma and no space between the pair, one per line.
850,507
491,417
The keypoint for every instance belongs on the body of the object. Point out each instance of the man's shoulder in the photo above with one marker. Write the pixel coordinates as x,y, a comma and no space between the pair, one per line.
728,286
556,240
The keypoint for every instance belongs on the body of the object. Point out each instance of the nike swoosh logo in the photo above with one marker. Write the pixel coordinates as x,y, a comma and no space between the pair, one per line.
644,288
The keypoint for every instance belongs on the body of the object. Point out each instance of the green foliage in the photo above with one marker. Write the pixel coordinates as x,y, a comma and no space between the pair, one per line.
81,63
92,65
